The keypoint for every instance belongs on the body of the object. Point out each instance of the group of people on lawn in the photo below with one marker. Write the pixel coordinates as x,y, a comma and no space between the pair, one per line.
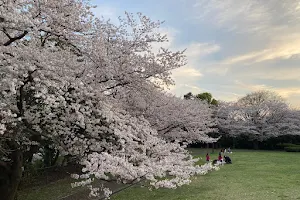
222,157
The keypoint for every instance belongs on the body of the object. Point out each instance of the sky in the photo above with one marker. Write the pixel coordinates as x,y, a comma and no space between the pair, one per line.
233,47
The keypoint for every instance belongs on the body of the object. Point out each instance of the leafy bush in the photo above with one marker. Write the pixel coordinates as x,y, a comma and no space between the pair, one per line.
294,148
283,145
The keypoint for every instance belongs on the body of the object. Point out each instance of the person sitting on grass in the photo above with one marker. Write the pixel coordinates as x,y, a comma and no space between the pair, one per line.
220,157
229,150
227,160
215,162
218,161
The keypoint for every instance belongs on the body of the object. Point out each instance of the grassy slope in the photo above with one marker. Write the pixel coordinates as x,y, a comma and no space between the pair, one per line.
253,175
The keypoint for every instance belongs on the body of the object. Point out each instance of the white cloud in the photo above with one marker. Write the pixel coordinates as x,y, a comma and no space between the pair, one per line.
254,16
250,87
233,14
216,68
226,96
283,73
197,50
185,80
285,92
187,77
186,72
279,50
194,50
290,93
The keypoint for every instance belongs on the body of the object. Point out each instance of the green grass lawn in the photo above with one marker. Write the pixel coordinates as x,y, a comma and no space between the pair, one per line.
253,175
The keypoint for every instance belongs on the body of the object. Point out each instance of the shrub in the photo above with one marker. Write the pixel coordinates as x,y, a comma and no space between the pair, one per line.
283,145
294,148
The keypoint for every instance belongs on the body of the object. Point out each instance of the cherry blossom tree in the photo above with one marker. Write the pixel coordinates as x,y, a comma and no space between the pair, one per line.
227,117
37,62
112,143
290,125
65,78
259,115
175,119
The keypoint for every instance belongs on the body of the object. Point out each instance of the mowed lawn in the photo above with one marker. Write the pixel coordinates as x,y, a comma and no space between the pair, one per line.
253,175
265,175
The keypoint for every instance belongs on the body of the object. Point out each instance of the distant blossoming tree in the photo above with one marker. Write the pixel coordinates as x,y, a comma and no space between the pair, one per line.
259,115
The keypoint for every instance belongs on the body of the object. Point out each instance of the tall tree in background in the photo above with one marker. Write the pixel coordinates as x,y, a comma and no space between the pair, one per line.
259,116
188,96
206,96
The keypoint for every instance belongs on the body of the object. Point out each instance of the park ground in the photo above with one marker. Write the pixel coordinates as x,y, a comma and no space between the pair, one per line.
255,175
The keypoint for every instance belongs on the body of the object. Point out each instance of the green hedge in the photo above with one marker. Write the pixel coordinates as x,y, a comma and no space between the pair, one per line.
283,145
294,148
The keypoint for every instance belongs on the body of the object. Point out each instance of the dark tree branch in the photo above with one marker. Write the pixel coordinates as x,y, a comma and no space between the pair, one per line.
5,32
170,128
117,85
15,38
20,98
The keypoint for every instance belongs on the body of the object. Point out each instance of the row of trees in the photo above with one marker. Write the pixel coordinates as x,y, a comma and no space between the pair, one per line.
77,85
255,118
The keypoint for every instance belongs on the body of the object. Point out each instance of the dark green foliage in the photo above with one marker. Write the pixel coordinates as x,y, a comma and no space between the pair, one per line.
214,102
205,96
289,147
188,96
244,142
295,148
283,145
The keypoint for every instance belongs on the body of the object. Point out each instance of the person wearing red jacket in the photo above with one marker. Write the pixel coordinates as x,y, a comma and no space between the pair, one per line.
207,158
220,157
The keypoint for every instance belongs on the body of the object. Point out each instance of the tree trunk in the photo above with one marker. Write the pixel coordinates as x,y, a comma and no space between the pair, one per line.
233,142
28,156
10,176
